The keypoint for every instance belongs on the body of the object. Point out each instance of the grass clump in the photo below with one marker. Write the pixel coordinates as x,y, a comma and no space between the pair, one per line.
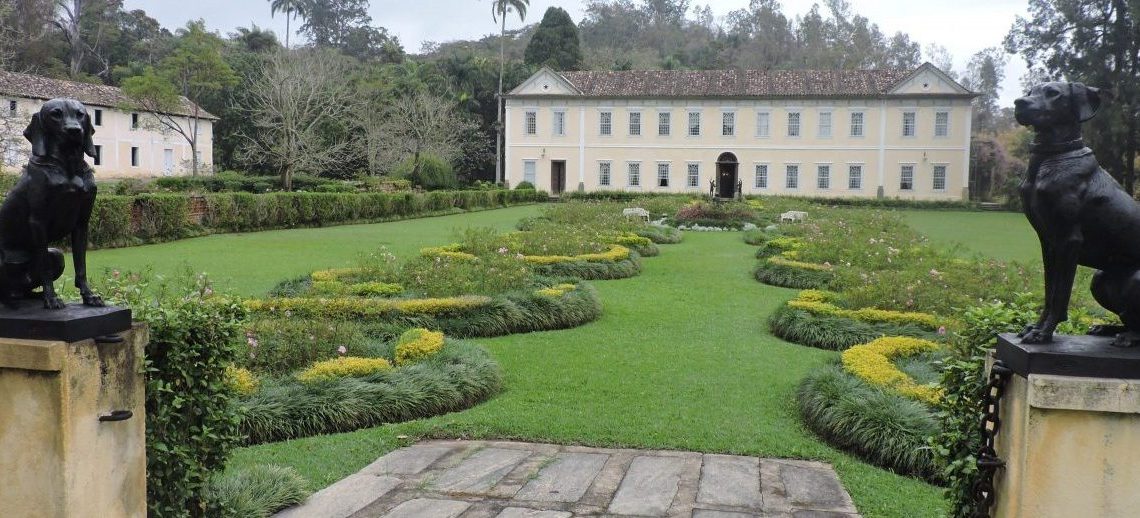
256,491
887,429
833,332
793,274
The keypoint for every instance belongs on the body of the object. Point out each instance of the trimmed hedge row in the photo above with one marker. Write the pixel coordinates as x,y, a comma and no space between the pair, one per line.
459,377
882,427
833,332
784,274
148,218
593,271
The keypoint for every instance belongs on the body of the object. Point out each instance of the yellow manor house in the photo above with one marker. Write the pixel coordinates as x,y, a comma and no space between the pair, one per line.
831,133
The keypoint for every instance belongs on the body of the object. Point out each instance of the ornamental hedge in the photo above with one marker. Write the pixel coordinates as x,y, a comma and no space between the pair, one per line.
149,218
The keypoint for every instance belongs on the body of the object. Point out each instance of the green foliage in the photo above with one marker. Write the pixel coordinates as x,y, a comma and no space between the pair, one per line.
148,218
776,274
831,332
429,172
885,428
555,42
593,270
282,345
256,491
721,214
459,376
439,276
525,185
661,235
191,425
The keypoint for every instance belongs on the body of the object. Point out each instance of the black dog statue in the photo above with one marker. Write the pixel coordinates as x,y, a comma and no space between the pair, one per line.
52,200
1082,216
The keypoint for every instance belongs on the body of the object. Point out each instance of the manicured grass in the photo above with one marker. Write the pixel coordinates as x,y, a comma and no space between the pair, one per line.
681,359
1001,235
250,264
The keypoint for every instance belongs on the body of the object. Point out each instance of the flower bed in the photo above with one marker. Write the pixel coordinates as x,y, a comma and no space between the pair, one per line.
786,273
815,302
872,363
833,332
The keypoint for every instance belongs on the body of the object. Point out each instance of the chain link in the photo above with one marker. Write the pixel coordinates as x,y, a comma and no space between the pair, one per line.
987,459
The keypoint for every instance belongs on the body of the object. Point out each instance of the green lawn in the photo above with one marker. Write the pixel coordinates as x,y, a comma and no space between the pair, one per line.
251,264
681,359
1002,235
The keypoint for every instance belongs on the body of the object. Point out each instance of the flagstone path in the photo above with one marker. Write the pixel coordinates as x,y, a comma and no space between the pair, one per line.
495,479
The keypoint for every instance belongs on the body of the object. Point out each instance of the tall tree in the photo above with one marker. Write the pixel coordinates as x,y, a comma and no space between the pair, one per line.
328,22
193,71
291,8
1097,43
499,11
292,103
984,75
555,43
417,125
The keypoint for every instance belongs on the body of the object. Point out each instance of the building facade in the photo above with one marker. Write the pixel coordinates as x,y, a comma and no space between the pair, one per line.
128,143
835,133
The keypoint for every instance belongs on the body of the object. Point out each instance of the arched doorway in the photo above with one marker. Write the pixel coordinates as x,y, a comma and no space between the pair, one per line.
726,175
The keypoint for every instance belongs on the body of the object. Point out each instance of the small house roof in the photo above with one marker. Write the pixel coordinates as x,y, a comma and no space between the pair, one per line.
40,87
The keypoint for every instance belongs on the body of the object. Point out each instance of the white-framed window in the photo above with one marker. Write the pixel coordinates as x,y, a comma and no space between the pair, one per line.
559,123
823,176
941,123
633,174
855,176
98,117
793,124
530,122
824,124
728,124
605,123
763,124
604,174
939,177
134,157
908,123
663,174
98,158
694,124
761,181
906,177
663,123
634,124
530,167
693,178
134,121
792,179
856,124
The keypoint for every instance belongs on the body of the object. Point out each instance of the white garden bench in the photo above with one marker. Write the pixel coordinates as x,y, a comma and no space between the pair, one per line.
637,212
793,215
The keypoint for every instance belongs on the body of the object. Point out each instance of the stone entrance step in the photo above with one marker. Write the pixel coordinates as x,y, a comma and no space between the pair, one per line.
498,479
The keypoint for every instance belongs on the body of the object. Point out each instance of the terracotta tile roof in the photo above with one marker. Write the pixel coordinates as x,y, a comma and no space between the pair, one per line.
736,83
39,87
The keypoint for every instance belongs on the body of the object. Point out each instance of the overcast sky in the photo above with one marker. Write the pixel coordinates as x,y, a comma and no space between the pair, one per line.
962,26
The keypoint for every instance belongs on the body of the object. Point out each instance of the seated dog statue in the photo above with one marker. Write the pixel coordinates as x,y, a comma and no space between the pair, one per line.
51,201
1080,213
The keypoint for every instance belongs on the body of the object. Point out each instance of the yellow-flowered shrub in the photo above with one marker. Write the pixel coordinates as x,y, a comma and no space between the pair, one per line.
632,240
786,243
872,363
343,367
242,380
557,290
818,306
780,261
417,344
364,307
614,254
454,251
793,255
334,274
815,296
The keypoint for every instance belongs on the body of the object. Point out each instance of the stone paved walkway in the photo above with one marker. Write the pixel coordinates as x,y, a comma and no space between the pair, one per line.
491,479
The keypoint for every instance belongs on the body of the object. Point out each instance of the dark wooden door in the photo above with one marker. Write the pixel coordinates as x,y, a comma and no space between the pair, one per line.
557,177
726,180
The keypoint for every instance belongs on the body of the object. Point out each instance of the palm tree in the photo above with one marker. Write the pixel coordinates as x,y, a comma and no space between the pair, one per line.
291,8
499,10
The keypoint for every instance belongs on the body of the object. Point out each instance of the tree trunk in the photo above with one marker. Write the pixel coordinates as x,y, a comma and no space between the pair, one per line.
288,15
500,174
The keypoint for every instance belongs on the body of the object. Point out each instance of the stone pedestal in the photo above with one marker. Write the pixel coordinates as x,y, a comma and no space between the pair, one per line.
1070,432
68,446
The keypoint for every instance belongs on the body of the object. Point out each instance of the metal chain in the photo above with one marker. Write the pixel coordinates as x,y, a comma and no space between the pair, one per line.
987,459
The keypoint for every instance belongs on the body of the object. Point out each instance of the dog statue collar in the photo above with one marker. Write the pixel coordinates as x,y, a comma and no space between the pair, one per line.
1056,148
